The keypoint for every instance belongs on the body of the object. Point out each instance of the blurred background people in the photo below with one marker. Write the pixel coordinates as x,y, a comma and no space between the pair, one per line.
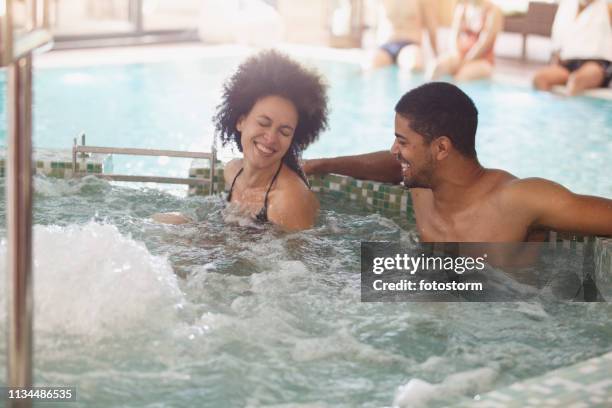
582,43
401,33
476,24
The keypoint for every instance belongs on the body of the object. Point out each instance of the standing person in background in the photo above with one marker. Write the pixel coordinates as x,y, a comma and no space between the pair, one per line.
476,24
582,41
402,45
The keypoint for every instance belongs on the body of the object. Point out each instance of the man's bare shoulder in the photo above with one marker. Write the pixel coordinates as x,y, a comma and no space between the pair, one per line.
499,177
493,182
529,185
530,193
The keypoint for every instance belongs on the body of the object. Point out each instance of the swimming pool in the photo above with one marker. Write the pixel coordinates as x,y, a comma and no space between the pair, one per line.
145,315
170,105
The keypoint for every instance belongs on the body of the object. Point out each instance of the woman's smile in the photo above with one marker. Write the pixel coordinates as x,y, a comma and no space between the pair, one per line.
264,149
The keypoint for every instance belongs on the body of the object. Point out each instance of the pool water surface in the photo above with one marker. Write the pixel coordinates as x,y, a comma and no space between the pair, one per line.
139,314
170,106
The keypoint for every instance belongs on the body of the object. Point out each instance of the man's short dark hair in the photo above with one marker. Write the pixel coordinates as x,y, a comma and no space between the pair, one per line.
441,109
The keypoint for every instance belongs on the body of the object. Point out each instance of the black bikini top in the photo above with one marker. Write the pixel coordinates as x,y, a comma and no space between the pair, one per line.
262,215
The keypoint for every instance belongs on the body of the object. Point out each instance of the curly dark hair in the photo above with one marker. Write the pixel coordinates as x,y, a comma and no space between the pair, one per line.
273,73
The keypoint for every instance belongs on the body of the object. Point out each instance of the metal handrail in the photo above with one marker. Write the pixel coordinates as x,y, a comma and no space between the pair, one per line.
16,54
83,150
141,152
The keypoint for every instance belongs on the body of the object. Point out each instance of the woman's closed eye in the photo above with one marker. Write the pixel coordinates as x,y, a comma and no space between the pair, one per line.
286,132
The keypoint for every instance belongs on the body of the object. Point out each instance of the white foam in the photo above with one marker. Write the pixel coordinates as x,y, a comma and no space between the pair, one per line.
91,280
418,393
433,363
49,187
415,394
234,214
532,309
285,276
342,344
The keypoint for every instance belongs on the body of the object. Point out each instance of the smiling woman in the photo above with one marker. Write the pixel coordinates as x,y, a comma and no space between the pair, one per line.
272,108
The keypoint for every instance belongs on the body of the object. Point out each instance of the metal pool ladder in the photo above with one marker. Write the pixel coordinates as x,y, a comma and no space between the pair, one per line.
20,35
82,151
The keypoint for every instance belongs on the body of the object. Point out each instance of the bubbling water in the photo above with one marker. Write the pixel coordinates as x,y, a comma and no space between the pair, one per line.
90,280
145,314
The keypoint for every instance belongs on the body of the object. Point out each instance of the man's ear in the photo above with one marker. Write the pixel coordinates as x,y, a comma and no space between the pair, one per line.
240,123
441,147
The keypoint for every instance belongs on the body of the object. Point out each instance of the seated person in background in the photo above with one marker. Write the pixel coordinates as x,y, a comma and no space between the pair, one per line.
402,45
272,108
582,40
454,198
476,24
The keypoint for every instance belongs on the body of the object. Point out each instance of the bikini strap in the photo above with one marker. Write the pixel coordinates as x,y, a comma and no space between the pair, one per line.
262,215
229,195
271,183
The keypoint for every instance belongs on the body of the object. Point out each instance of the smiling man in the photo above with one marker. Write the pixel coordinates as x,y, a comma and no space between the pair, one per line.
454,198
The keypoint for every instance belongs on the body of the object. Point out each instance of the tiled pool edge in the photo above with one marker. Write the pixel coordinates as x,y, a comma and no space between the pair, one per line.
377,196
582,385
58,163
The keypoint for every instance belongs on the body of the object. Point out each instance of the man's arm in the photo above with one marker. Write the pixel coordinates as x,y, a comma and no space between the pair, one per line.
429,17
379,166
456,24
493,25
551,205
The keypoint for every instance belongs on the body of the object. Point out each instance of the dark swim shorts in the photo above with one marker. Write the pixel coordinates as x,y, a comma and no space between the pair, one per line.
393,48
575,64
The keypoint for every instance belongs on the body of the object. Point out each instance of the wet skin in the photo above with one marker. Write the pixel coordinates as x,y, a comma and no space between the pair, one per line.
456,199
267,132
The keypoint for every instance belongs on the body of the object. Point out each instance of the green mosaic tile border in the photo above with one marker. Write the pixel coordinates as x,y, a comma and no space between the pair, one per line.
377,196
54,163
200,169
603,268
584,385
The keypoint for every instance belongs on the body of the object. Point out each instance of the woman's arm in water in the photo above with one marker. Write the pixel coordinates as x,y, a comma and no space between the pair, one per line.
171,218
379,166
176,218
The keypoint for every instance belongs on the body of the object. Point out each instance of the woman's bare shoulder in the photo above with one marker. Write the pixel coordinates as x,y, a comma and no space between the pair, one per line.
294,206
230,169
